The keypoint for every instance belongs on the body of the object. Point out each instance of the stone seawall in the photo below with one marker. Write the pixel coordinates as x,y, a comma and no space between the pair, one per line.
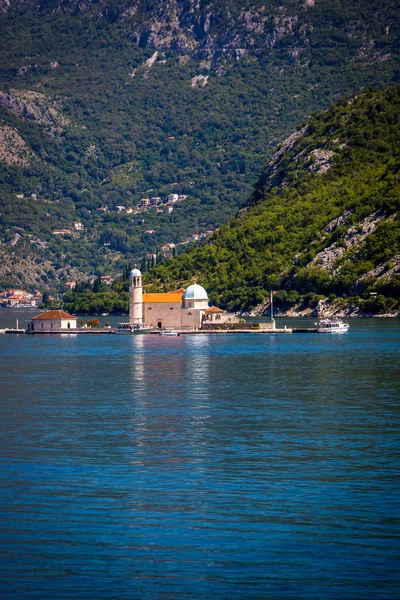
238,326
97,331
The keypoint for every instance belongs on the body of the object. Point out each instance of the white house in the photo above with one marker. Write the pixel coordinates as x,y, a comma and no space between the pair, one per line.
52,320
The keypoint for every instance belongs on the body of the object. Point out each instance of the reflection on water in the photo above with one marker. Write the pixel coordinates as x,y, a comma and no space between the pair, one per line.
200,466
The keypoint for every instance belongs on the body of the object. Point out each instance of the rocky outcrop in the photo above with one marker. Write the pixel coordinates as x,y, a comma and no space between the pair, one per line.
199,80
385,270
5,5
320,159
35,106
196,29
354,236
13,149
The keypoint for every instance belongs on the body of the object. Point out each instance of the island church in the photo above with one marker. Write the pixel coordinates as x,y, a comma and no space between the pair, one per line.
181,309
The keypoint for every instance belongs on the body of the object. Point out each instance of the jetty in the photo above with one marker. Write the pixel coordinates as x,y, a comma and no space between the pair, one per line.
229,331
77,331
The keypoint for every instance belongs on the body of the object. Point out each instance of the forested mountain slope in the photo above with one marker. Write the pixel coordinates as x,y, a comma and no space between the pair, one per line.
104,103
323,218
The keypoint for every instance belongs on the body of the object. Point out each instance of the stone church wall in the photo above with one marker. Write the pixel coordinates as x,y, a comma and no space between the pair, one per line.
168,314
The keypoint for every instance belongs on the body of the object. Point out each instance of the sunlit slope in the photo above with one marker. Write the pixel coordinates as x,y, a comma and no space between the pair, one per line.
323,216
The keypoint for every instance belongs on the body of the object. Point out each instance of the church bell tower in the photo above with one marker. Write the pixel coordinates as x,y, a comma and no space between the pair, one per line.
135,297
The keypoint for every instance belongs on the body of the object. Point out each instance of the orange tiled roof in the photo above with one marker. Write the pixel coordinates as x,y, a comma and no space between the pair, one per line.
168,298
54,314
213,309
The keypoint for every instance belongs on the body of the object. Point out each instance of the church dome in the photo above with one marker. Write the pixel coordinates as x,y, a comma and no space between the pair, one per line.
135,273
195,292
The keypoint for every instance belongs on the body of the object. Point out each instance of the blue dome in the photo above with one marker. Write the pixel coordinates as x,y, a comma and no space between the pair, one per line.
135,273
195,292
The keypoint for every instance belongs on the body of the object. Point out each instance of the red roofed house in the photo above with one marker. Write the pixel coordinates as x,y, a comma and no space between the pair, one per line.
52,320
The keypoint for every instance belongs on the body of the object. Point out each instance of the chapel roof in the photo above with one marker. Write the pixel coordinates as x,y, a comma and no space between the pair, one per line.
168,298
195,292
54,314
213,309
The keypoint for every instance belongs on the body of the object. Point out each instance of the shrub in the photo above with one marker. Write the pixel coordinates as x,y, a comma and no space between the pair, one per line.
93,323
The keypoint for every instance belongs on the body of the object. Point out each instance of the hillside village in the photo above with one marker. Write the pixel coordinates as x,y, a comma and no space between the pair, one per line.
84,230
20,299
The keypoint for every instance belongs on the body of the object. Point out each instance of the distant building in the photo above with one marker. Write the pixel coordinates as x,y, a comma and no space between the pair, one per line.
170,209
181,309
182,197
71,285
106,279
62,231
52,320
78,226
155,201
144,202
20,298
167,247
172,198
120,208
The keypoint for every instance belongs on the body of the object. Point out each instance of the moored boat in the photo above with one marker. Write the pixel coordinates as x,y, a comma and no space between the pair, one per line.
169,332
135,329
332,326
139,328
123,328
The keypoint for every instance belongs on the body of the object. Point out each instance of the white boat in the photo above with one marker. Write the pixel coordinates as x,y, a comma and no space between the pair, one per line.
123,328
139,328
332,326
135,329
169,332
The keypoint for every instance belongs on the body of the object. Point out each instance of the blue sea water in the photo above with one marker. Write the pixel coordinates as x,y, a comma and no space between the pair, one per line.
246,466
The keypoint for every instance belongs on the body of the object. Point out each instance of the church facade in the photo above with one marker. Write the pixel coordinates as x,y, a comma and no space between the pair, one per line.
181,309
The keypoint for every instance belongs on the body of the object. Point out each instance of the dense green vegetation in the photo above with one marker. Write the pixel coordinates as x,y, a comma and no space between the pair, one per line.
274,238
134,130
272,243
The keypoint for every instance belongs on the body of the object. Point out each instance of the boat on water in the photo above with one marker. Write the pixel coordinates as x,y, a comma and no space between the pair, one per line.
139,328
123,328
135,329
169,332
332,326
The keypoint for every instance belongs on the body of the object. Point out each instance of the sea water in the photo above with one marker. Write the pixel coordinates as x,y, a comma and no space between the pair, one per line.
244,466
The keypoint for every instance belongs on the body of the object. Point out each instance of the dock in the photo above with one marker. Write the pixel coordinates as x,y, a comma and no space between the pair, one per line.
107,331
231,331
238,331
80,331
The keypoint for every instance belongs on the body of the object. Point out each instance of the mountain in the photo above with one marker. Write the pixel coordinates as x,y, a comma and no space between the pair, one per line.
105,103
323,219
